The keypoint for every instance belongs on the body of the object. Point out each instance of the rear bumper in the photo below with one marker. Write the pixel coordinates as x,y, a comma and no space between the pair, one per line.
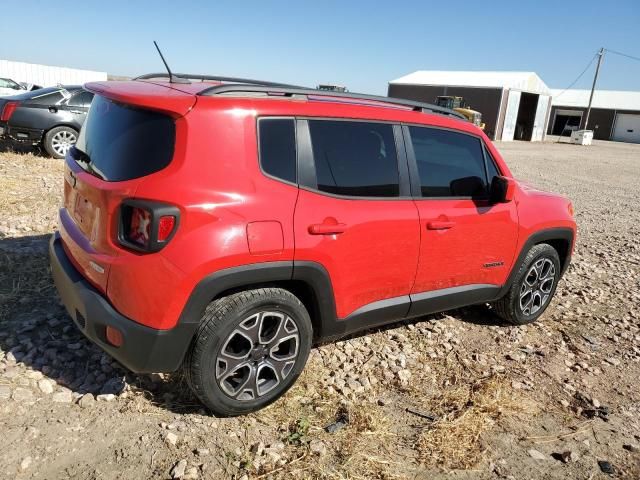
20,135
144,349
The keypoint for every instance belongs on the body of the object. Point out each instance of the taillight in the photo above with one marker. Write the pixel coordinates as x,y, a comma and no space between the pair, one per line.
165,227
139,227
146,225
8,110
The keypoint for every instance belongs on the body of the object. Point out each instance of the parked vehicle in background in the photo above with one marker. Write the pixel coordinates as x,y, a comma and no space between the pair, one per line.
30,86
49,117
9,88
223,228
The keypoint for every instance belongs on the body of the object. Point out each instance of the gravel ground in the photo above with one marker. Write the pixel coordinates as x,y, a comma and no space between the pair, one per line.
456,395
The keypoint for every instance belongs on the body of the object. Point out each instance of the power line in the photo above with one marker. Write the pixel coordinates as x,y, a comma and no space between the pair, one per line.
579,76
623,54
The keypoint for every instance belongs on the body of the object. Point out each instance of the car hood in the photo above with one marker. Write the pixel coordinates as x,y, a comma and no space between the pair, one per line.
531,189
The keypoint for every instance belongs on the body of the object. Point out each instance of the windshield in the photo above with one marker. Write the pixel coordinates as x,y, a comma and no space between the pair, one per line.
119,142
8,83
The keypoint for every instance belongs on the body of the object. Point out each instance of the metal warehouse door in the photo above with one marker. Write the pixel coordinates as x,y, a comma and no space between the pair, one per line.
627,128
511,115
540,118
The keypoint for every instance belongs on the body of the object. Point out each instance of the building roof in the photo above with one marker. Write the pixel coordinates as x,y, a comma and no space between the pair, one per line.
527,81
610,99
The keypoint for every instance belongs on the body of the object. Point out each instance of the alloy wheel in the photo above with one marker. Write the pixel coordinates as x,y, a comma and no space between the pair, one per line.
62,141
537,286
258,355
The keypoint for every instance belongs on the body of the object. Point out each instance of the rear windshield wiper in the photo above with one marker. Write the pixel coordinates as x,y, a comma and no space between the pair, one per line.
84,161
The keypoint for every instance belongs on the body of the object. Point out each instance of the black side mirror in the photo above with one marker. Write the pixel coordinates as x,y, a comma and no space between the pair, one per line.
467,187
502,190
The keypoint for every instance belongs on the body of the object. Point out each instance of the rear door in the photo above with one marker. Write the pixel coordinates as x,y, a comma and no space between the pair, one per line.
354,213
116,148
76,107
466,241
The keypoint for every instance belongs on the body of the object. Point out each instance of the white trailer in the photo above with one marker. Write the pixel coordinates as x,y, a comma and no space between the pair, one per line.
47,76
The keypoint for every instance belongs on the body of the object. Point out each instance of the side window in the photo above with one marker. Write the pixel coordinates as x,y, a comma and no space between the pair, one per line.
277,140
450,164
492,169
81,99
355,158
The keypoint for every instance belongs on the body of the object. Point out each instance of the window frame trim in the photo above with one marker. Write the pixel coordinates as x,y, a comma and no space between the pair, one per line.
295,183
77,93
489,158
416,188
307,179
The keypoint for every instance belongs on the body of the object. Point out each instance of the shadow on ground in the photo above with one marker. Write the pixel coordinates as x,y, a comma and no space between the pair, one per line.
37,333
11,147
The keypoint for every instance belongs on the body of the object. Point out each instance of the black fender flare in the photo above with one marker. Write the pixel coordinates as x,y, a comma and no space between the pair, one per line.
312,274
541,236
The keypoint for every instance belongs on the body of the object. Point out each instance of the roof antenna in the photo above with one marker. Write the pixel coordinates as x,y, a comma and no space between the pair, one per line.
172,77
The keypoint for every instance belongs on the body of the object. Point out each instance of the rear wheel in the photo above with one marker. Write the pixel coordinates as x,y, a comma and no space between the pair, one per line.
59,140
249,350
533,287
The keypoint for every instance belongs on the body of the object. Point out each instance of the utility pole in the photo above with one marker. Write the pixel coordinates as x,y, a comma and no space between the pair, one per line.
593,87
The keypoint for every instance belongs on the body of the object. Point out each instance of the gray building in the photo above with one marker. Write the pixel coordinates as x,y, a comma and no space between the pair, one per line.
615,115
514,105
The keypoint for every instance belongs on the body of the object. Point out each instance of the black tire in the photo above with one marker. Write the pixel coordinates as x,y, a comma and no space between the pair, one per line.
510,307
224,325
52,140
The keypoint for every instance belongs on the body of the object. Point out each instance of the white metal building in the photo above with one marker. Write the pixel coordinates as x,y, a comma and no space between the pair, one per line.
615,115
514,105
46,76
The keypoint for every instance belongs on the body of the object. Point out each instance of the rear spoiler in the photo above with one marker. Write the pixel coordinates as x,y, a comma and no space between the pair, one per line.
149,95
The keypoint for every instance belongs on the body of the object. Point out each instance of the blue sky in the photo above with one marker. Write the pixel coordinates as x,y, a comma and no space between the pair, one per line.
361,44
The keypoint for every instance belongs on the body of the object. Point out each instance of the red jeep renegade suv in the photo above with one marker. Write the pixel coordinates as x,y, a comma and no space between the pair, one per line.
224,226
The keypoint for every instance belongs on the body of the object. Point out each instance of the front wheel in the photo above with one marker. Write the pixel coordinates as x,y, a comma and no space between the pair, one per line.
59,140
533,287
249,350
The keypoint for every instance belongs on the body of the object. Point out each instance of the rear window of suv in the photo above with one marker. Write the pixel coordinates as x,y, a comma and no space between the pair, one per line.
119,142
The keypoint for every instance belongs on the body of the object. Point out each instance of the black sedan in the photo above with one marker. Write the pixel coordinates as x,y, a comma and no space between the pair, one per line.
50,117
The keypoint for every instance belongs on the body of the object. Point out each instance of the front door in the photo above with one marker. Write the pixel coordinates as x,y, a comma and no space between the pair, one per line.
467,244
355,217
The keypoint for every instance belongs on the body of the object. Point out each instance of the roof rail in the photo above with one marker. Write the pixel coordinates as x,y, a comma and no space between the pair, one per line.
288,91
247,85
196,76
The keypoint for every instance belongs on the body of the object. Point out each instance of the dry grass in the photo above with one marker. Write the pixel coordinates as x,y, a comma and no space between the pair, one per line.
467,410
30,193
30,190
362,449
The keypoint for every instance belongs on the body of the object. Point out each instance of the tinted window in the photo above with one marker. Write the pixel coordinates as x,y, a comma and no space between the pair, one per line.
492,170
82,99
355,158
450,164
118,142
278,147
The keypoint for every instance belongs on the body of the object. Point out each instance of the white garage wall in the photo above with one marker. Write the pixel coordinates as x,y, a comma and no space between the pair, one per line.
627,128
511,115
47,76
540,120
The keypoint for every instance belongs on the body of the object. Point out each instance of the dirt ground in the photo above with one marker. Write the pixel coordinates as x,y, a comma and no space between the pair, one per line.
457,395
